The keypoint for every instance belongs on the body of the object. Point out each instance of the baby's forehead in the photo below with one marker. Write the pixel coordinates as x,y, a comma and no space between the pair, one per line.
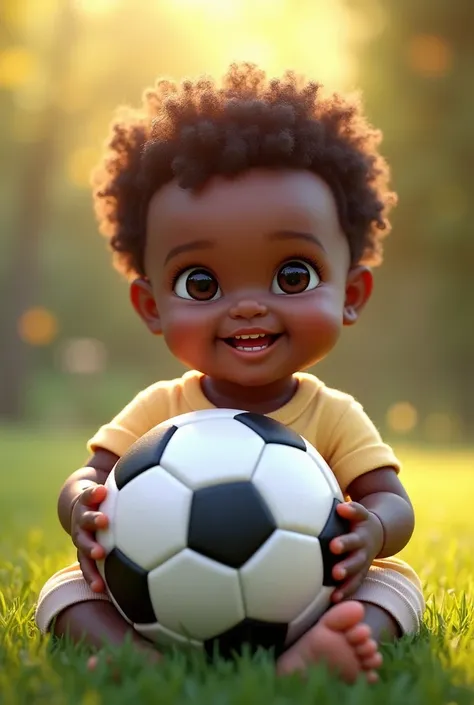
273,200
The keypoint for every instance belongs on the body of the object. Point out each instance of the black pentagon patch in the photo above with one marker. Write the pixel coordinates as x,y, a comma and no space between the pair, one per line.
249,634
144,454
335,526
229,522
128,583
271,431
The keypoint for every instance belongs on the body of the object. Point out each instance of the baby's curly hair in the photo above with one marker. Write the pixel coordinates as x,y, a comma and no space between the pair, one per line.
195,130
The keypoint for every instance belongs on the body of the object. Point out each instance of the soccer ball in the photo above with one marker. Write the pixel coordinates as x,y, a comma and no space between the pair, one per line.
219,529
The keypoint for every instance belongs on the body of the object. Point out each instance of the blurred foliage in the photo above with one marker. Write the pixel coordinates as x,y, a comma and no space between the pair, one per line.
414,62
416,72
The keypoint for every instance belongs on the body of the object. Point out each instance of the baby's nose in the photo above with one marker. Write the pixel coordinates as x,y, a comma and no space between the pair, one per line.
248,308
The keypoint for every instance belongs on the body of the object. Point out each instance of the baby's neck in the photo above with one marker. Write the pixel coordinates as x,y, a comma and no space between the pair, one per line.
261,400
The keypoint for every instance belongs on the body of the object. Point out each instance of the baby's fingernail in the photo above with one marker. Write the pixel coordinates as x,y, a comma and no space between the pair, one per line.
96,553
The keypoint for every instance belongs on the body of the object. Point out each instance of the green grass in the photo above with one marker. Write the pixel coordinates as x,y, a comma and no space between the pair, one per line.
436,668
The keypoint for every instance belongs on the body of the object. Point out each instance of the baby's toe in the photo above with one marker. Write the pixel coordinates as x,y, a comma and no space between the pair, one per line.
372,676
366,649
358,634
92,663
371,662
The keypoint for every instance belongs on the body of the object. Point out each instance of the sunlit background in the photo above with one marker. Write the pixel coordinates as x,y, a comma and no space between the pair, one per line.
72,352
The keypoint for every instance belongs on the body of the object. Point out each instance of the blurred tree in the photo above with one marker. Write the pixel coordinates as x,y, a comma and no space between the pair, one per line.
416,60
416,72
22,277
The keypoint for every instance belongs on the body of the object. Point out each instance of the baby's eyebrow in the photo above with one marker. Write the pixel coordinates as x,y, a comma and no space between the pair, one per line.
296,235
187,246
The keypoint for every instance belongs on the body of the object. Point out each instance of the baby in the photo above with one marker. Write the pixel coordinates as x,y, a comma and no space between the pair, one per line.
246,216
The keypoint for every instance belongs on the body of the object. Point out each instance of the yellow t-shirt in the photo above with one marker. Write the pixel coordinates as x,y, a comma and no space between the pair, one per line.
333,422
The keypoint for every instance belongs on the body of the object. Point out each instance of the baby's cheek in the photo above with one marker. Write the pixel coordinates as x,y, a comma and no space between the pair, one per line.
320,320
186,331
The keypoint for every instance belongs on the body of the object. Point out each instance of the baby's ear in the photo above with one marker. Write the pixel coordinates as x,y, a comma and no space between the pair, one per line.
359,287
143,301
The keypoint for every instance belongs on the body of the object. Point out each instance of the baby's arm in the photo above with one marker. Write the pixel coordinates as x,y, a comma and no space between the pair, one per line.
382,493
382,522
78,504
95,622
95,472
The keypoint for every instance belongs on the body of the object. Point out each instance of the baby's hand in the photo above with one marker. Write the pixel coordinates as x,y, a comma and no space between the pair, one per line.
85,521
363,543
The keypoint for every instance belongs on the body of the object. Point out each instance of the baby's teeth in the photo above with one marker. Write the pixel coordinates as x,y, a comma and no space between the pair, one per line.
253,336
255,348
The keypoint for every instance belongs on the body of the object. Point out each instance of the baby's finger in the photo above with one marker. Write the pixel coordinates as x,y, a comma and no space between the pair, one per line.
93,495
346,543
353,511
92,521
349,587
350,566
91,575
84,542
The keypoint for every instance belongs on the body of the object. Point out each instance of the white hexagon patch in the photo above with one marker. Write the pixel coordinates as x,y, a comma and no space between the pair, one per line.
195,596
294,488
203,415
309,616
326,470
205,454
152,516
161,636
283,577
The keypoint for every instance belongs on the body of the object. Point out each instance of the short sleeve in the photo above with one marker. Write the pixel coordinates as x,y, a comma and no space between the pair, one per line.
131,423
355,446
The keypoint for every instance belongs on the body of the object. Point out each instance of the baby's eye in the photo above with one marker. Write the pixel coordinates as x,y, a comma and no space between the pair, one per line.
197,284
294,277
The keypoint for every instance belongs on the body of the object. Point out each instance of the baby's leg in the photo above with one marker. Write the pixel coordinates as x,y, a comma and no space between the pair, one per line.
97,623
387,605
383,626
68,607
392,598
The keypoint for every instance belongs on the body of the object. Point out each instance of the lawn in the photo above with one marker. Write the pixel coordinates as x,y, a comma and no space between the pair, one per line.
437,668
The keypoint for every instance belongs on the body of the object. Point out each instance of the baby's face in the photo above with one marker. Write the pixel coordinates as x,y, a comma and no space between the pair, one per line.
262,255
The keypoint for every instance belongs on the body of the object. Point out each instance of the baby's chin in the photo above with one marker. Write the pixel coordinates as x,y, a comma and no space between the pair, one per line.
263,370
253,378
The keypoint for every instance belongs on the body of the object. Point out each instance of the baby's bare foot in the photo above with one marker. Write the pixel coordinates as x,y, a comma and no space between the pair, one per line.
341,641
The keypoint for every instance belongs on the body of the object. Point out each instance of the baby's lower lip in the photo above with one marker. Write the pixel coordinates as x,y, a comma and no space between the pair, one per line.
251,344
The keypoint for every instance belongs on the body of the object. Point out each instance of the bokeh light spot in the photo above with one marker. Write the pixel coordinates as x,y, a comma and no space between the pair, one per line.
430,55
83,356
38,326
402,417
17,67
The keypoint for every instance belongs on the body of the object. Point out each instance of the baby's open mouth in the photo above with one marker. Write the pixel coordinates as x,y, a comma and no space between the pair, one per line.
253,342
